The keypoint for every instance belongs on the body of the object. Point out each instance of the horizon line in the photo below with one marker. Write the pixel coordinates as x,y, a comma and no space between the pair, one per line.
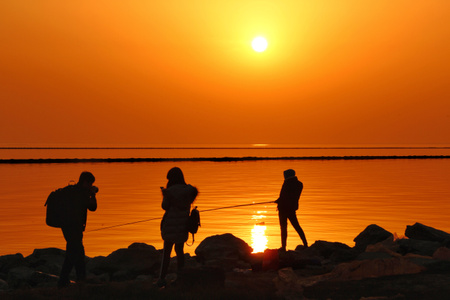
214,159
256,147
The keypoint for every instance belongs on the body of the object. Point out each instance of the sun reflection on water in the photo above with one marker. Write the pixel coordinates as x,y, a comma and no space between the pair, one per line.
259,238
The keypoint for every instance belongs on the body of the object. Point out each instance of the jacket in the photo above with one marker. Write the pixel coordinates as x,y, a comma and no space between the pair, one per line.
177,201
289,195
79,202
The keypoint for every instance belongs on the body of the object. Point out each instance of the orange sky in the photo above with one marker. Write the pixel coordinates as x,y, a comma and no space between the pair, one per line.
151,72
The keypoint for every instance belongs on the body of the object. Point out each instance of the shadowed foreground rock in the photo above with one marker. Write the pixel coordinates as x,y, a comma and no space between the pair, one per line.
124,264
226,251
421,232
371,235
224,268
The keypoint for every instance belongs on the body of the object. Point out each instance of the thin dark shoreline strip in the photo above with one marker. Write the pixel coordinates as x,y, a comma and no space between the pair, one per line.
232,148
211,159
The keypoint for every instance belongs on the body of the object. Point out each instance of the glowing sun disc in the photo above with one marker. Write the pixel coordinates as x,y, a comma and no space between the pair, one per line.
259,44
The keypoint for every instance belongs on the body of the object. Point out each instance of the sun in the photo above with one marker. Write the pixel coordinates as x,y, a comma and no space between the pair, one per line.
259,44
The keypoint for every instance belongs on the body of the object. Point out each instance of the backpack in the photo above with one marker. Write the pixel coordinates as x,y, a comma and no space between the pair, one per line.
58,207
193,223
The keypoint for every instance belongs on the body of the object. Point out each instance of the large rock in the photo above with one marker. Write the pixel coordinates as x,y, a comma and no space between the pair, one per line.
419,231
3,285
26,277
273,259
442,253
372,268
40,279
226,251
19,277
371,235
137,259
10,261
288,284
334,251
47,260
420,247
385,249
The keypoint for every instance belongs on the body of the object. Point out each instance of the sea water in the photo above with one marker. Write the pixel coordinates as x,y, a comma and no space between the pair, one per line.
340,198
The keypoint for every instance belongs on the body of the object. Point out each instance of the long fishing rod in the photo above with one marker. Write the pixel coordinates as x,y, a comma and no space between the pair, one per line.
119,225
233,206
211,209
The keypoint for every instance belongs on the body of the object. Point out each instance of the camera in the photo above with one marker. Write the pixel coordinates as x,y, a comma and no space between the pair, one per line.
94,189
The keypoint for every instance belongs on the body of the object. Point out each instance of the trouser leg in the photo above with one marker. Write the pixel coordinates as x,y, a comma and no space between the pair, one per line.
283,227
74,255
167,250
294,221
66,268
179,250
80,266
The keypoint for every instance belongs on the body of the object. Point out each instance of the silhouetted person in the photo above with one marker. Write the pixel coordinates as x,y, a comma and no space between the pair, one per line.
177,199
80,200
287,206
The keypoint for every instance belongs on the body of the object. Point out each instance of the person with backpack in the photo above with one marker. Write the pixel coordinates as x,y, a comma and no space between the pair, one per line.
287,206
80,199
177,199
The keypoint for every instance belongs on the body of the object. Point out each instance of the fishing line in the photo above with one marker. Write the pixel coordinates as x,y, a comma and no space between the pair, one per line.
119,225
146,220
233,206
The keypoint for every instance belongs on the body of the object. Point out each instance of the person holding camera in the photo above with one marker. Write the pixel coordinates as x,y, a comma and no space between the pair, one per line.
80,200
177,199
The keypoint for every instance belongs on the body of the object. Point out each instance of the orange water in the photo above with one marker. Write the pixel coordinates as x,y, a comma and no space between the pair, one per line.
339,200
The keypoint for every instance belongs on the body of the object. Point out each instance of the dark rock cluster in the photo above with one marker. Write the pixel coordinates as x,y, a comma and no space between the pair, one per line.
221,258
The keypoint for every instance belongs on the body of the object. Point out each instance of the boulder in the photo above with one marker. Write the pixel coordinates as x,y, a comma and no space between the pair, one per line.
19,277
373,255
98,265
372,268
442,253
419,231
371,235
10,261
271,260
47,260
333,251
225,251
40,279
387,248
420,247
127,263
3,285
26,277
288,284
297,260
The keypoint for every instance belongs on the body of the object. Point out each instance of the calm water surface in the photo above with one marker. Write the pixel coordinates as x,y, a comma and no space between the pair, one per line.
339,200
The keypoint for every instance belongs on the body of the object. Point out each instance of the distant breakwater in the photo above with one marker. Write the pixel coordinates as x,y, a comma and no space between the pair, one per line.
212,159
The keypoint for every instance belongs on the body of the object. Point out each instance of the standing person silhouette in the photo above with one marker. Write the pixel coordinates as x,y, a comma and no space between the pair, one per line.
287,206
81,198
177,199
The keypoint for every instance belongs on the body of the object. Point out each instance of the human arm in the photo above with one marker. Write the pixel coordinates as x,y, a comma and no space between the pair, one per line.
165,202
92,203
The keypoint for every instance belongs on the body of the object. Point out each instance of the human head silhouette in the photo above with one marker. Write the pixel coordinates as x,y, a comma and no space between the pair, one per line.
86,178
288,173
175,176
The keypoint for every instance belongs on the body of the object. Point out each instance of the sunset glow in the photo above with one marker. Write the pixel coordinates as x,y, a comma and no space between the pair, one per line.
259,239
136,71
259,44
294,128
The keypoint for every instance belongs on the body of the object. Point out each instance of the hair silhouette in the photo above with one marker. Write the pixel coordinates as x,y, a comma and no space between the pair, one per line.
175,176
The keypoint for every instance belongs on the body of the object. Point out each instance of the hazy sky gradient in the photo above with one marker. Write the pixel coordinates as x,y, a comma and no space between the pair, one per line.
151,72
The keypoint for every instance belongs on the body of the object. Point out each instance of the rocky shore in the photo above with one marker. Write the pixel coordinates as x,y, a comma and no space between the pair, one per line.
379,266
